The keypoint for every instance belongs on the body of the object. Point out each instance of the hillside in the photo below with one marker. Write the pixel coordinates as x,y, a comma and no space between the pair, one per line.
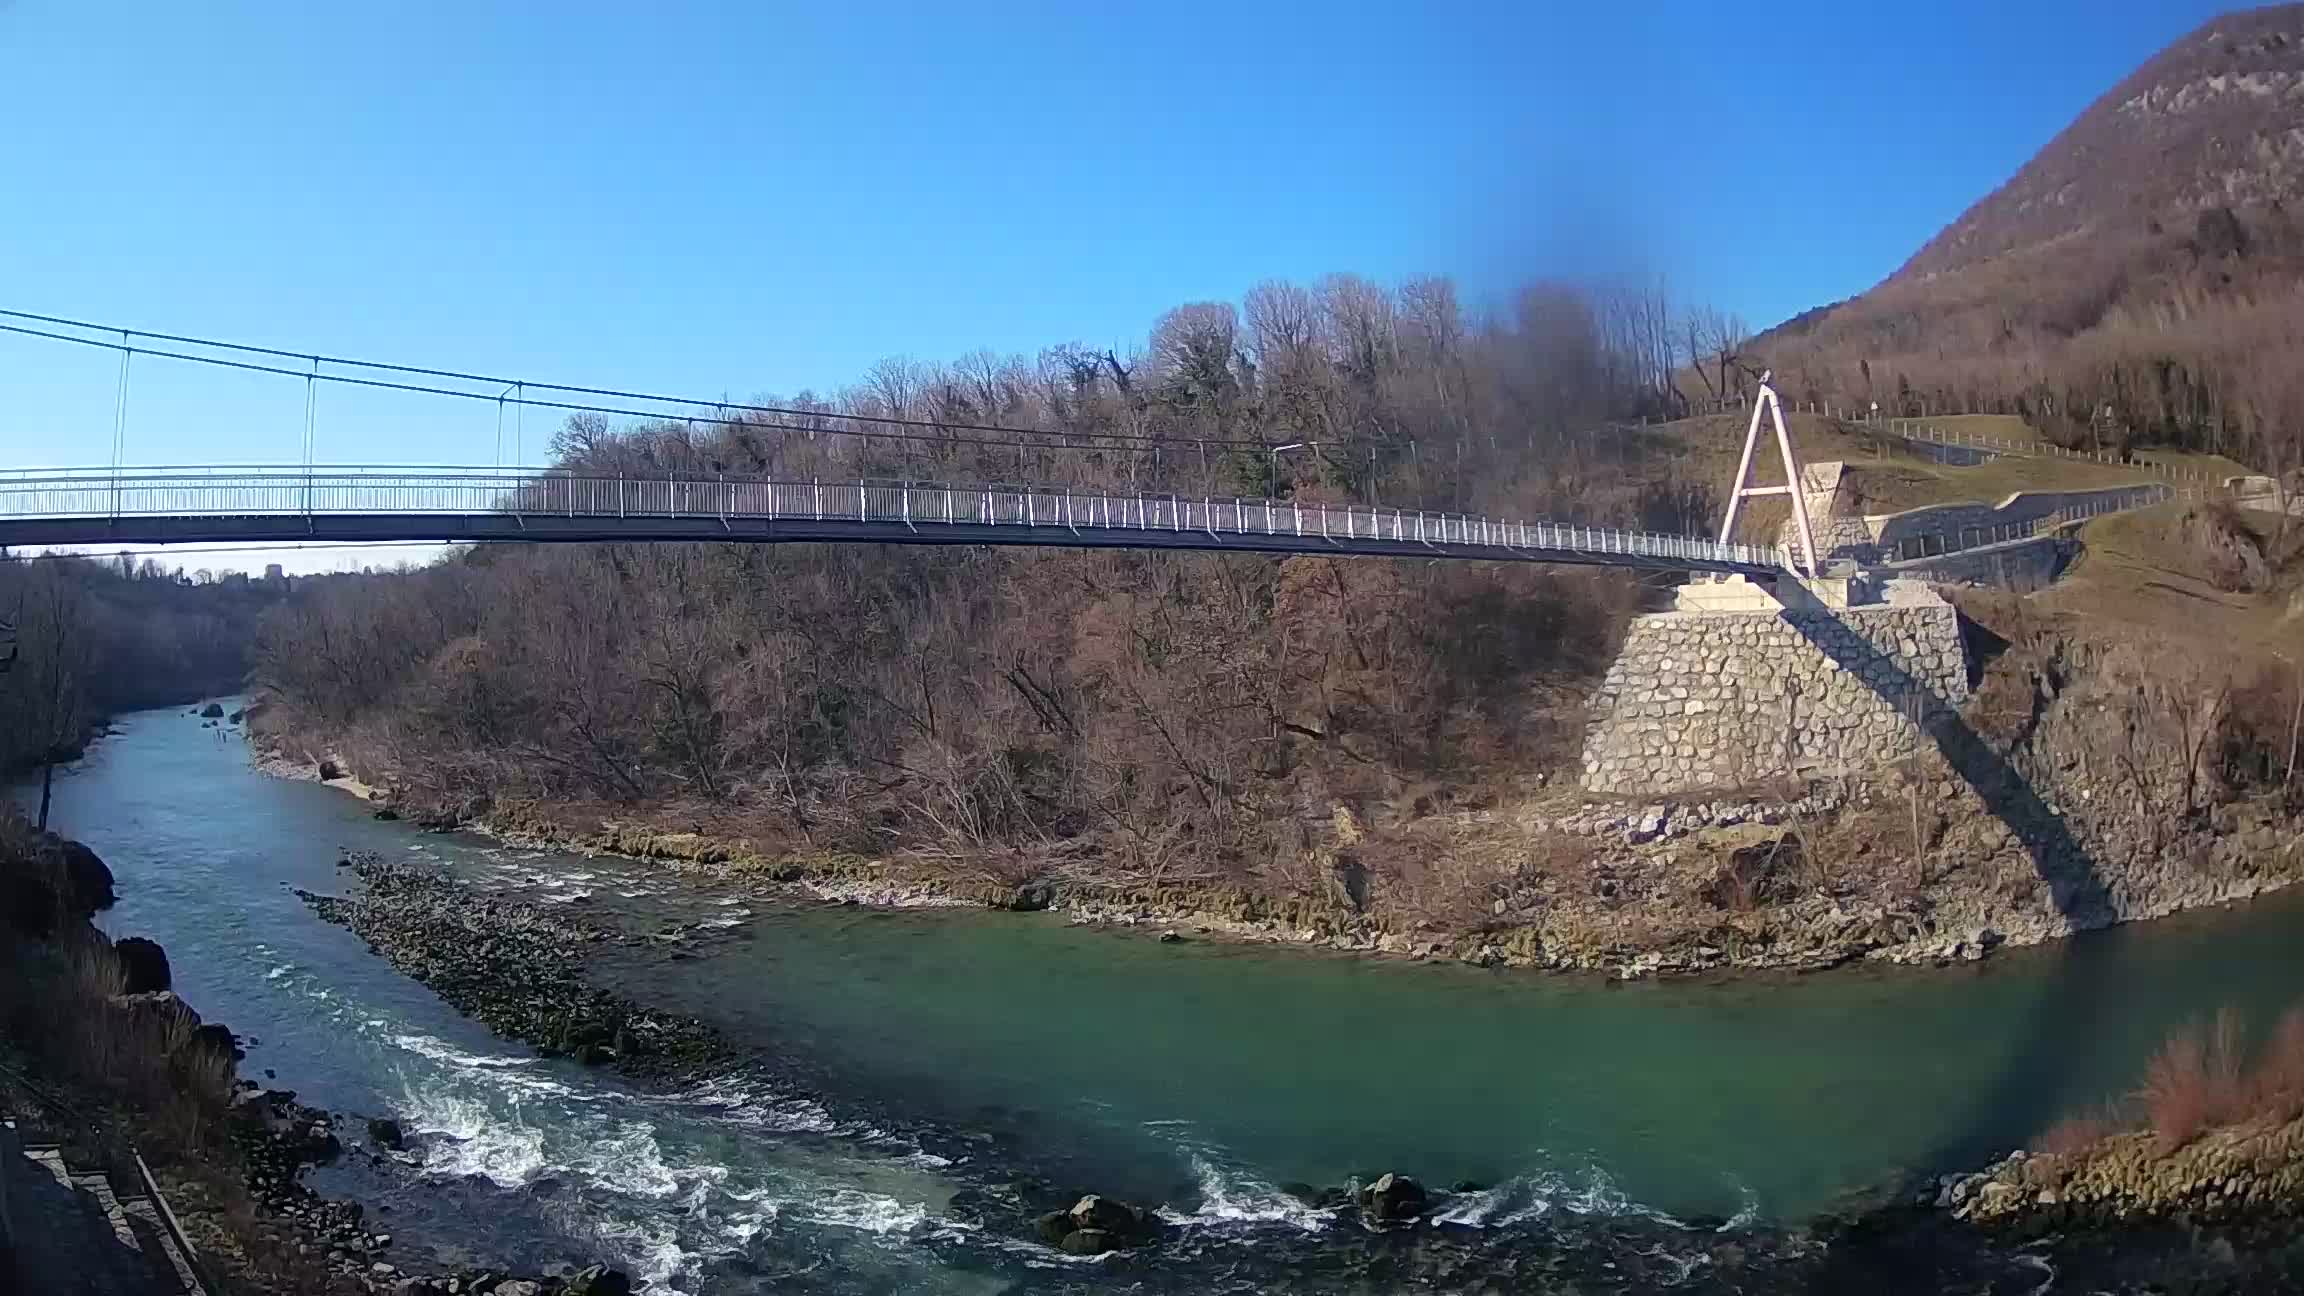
2213,123
2139,282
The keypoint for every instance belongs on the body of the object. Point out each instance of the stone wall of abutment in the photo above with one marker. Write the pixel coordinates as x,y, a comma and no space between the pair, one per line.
1722,699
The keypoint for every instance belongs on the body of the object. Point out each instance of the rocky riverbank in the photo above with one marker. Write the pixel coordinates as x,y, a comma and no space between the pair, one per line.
1911,864
516,969
103,1056
2081,785
2248,1177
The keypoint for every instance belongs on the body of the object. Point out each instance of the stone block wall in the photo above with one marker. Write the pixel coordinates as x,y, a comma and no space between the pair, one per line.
1724,699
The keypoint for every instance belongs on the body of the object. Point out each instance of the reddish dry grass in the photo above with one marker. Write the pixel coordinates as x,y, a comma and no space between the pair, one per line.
2074,1133
2277,1080
2202,1078
2195,1081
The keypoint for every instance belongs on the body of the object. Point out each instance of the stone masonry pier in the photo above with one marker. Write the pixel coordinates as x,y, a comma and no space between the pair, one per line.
1717,699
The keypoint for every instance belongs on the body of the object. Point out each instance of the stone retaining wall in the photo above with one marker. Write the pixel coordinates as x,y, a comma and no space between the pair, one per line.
2021,566
1725,699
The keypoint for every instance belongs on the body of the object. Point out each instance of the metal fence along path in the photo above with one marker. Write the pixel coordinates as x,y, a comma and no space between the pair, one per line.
100,506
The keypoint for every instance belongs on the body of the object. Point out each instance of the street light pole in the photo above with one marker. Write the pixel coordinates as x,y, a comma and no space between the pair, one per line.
1276,452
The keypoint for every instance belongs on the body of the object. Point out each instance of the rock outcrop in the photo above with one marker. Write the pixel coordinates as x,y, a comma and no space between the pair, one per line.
143,965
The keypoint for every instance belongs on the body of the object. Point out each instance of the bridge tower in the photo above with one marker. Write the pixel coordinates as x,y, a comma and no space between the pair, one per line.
1767,405
1789,675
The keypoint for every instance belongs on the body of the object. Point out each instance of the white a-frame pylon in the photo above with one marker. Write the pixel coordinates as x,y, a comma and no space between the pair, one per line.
1767,403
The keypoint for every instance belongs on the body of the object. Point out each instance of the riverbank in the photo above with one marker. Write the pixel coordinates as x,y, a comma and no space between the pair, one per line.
2209,1151
1786,883
106,1060
2084,785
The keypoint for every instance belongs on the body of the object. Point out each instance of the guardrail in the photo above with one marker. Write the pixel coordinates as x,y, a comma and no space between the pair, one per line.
916,507
1912,548
1929,433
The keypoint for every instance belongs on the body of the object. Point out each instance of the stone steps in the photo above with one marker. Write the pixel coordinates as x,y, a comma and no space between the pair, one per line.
70,1228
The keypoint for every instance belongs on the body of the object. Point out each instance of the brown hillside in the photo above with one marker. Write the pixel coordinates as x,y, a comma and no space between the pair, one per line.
2215,121
2141,280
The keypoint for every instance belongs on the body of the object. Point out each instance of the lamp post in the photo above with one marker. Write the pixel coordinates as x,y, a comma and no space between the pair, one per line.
1277,451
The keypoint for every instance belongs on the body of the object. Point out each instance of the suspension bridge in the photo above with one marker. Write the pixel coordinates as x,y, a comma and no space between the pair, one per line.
313,503
290,504
123,504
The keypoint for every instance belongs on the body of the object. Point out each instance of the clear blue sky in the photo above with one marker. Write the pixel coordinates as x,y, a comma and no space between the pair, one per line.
750,198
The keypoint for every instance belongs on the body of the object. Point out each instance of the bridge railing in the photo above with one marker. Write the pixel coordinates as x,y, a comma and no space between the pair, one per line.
296,491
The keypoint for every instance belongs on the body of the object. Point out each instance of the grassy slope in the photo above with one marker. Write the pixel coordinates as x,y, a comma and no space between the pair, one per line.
1884,475
2139,571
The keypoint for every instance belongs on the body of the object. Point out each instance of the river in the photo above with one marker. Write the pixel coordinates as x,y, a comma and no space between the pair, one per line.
914,1064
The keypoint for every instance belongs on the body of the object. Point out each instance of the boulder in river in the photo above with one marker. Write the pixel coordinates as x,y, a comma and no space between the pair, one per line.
1095,1224
1088,1242
1393,1198
386,1134
212,711
143,965
330,770
598,1280
1107,1215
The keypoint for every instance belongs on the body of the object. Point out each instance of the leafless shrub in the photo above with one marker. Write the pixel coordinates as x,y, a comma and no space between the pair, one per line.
2195,1081
2277,1079
2078,1132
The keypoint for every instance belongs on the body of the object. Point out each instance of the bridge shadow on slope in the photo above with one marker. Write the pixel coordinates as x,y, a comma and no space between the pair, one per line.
2030,1090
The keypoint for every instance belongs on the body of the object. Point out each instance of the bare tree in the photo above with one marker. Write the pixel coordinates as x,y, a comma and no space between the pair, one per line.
1714,342
57,719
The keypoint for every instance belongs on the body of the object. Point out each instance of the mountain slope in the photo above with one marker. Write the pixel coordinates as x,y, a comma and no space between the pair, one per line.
2140,281
2215,121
